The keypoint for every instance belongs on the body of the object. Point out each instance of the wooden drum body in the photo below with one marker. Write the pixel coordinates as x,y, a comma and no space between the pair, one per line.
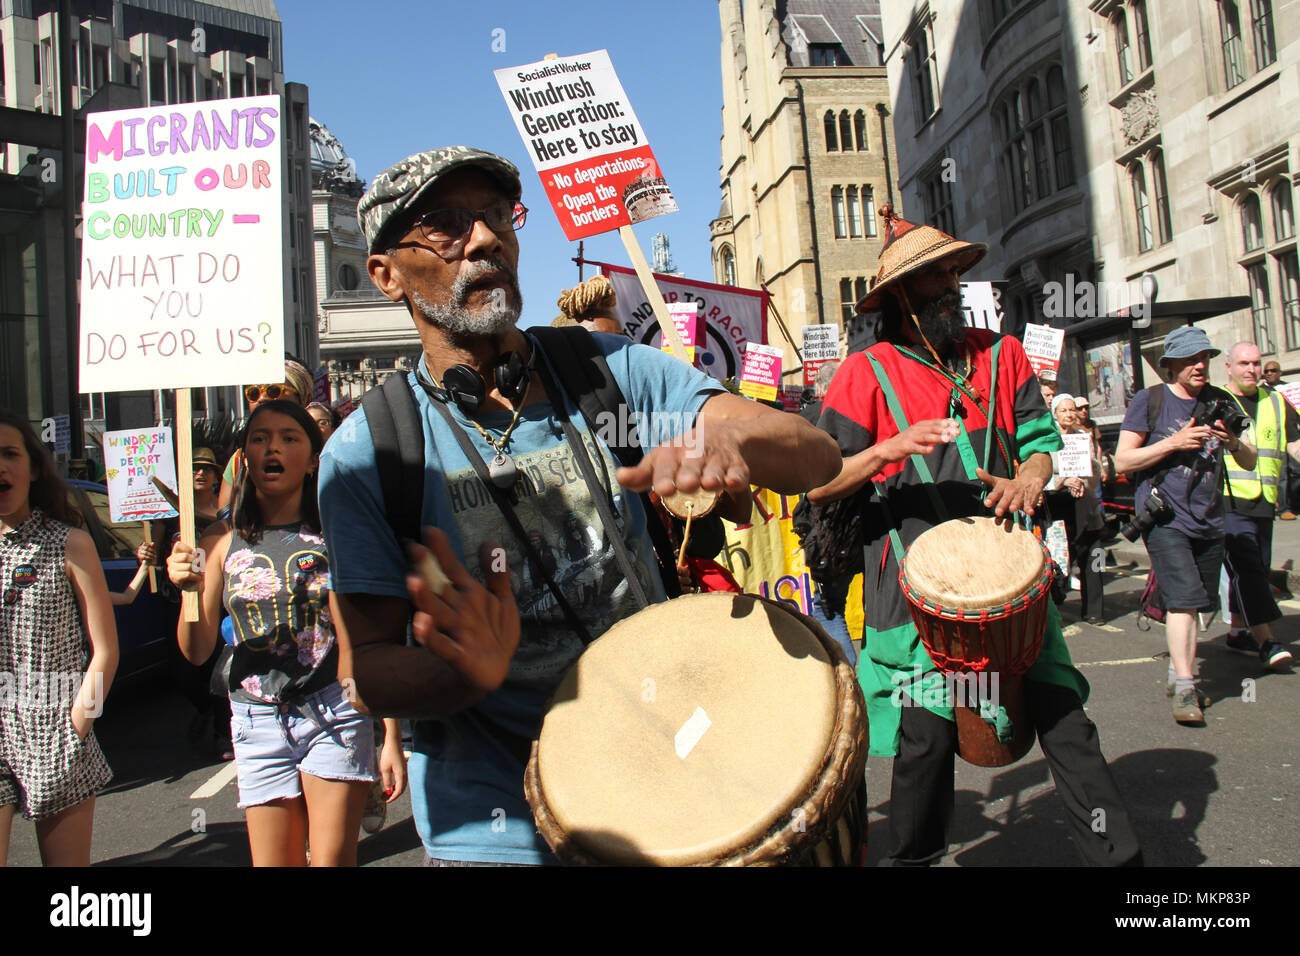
714,729
978,590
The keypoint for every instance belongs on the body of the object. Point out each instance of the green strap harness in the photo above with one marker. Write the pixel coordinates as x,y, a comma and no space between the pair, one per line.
997,717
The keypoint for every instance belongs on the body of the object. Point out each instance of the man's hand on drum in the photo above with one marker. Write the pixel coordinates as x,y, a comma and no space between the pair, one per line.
919,439
1022,493
473,628
707,457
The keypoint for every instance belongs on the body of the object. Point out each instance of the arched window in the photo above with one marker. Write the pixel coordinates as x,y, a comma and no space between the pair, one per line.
727,261
860,130
837,212
1252,231
1283,218
1024,185
1141,206
869,211
846,300
1059,120
1120,25
1038,139
829,123
855,214
1164,224
846,132
1142,29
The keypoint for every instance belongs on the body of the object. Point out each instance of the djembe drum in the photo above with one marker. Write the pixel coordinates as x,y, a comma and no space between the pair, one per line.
714,729
978,590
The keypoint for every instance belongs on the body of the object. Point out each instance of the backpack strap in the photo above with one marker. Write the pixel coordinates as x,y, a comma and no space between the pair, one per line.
398,436
585,376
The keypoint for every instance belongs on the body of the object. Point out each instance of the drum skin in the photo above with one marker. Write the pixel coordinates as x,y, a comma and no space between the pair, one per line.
714,729
978,590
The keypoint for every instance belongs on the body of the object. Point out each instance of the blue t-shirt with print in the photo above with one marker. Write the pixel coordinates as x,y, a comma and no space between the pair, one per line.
467,770
1200,513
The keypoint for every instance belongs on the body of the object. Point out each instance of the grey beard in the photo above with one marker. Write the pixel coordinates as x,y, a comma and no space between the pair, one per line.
454,317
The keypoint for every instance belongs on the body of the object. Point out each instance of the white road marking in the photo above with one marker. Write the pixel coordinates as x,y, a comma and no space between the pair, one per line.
1127,660
217,781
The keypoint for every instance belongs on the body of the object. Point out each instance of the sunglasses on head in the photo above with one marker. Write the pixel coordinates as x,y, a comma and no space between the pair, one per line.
255,392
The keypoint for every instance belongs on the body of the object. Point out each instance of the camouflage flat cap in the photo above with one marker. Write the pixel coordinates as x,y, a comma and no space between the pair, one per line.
402,185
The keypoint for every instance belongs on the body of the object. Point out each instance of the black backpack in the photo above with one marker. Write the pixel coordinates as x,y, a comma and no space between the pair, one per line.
398,436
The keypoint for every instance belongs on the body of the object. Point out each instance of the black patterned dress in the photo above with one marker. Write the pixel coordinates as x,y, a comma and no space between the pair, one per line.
45,768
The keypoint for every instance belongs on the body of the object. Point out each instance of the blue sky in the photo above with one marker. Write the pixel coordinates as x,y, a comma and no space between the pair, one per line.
419,75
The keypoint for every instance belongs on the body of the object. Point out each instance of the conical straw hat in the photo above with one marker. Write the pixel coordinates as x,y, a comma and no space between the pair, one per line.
909,247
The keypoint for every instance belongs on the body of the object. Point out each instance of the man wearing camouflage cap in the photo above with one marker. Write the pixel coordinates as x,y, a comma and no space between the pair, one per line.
491,647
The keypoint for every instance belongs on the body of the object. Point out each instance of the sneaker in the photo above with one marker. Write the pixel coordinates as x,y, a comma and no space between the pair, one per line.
1287,515
1243,642
376,810
1273,654
1186,708
1202,698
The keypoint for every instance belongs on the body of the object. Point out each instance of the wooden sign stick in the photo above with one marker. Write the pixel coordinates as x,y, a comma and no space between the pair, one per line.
185,466
652,292
153,567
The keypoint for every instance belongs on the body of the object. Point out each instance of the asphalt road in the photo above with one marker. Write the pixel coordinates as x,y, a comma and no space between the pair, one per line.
1221,795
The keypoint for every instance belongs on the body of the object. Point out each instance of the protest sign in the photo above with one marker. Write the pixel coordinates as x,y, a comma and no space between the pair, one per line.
982,304
1075,459
1291,392
687,319
791,396
133,457
584,139
1043,346
591,154
732,317
181,271
62,435
821,344
760,376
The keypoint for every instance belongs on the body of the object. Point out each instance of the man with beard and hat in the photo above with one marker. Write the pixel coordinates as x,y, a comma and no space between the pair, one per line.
492,645
936,371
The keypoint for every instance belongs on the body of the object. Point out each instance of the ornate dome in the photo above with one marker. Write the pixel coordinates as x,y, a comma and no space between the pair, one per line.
331,167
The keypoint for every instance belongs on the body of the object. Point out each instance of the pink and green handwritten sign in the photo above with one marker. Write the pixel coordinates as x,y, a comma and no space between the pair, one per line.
181,266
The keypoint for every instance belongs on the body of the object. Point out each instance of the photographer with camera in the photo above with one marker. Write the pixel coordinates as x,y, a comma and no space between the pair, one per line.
1171,442
1252,498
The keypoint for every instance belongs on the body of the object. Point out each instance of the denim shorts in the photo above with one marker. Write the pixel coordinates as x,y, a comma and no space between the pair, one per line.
1186,568
322,734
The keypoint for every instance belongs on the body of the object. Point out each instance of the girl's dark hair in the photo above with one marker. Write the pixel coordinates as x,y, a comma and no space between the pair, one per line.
336,418
48,492
247,515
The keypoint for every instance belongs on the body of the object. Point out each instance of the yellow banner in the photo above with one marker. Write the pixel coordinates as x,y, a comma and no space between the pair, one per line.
765,558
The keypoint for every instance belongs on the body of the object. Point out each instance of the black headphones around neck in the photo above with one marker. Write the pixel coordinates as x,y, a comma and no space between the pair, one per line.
464,386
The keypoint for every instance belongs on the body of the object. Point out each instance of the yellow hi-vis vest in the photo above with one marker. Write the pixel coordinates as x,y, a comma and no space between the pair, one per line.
1267,433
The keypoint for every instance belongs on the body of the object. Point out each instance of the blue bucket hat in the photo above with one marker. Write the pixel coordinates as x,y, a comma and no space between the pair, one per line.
1187,341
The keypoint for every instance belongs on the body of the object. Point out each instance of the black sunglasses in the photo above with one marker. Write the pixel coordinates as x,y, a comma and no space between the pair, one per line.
447,230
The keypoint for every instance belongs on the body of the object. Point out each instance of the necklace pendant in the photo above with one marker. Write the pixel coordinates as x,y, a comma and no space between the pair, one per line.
503,471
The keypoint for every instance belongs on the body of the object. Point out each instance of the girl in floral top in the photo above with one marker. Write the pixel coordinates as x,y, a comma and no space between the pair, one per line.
305,756
58,646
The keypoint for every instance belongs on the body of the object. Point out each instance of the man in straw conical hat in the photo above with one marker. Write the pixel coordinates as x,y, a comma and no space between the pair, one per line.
938,373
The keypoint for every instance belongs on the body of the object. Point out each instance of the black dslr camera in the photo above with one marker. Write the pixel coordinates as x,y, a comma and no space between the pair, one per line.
1225,410
1155,510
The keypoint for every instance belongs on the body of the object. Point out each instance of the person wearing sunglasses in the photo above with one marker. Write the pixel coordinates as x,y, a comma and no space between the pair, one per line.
296,387
441,230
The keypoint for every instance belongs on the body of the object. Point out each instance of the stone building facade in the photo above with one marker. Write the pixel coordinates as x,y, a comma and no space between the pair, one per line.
364,337
807,159
124,55
1093,143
